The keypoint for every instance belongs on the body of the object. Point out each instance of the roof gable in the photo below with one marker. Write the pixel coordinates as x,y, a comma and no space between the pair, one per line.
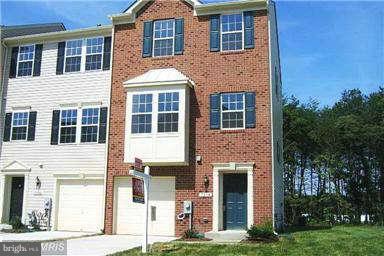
16,166
158,77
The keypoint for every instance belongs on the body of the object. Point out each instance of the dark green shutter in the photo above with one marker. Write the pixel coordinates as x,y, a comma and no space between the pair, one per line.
14,55
7,127
103,124
250,115
215,111
37,61
214,38
32,125
147,38
60,58
107,53
55,127
249,34
179,36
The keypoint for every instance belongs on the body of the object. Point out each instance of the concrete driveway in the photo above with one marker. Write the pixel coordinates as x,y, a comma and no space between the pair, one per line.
107,244
41,236
83,243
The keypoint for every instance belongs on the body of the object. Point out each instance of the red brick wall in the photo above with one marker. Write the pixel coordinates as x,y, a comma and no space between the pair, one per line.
212,72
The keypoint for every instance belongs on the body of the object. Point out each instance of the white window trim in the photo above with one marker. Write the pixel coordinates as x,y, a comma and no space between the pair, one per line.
26,135
231,32
79,124
88,54
98,125
18,60
83,56
163,38
168,112
229,111
142,113
60,126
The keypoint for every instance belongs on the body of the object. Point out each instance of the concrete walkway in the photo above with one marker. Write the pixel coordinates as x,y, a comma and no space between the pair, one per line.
108,244
43,236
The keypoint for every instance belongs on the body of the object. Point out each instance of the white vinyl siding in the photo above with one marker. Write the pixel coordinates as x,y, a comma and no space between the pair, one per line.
44,94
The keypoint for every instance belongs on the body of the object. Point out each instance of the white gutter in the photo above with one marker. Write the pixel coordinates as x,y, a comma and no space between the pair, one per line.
58,35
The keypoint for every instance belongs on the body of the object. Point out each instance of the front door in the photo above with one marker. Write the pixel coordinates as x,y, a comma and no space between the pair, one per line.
235,201
17,194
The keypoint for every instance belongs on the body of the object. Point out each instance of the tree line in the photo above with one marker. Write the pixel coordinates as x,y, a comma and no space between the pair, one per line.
334,159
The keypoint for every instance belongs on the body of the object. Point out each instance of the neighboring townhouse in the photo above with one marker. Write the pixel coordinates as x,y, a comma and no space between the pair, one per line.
56,94
21,30
196,94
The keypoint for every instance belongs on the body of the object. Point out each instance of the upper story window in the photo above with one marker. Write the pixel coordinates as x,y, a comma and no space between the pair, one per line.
94,53
90,49
89,124
20,125
232,110
68,122
73,54
25,60
168,108
163,37
232,32
141,113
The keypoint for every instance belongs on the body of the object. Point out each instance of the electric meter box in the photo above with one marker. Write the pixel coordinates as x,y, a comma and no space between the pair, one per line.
187,207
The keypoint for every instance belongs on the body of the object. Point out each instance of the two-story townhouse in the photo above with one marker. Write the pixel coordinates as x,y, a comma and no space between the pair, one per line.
196,94
54,131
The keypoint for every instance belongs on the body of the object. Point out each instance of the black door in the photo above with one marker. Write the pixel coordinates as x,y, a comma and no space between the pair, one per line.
235,201
17,193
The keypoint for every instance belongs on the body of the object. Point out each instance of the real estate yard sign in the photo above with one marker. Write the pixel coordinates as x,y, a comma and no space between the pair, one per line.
138,190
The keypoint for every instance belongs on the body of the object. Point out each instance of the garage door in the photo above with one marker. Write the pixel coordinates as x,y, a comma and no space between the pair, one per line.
80,205
129,216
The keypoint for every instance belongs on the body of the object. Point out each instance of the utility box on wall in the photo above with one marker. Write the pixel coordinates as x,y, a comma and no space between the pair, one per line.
187,207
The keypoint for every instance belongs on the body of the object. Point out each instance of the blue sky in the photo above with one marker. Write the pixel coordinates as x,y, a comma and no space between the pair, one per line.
325,46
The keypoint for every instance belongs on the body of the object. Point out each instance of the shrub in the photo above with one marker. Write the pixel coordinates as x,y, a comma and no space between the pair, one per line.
17,224
191,233
263,232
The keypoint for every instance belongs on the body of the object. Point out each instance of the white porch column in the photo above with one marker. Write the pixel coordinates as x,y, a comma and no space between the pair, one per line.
250,197
2,192
215,201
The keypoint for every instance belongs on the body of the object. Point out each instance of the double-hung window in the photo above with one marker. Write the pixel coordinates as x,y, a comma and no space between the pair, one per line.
73,54
141,113
25,60
232,110
20,125
89,124
232,32
68,122
163,38
94,53
168,108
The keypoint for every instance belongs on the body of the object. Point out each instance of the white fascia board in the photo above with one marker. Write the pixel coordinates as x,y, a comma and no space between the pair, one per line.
60,35
199,9
152,84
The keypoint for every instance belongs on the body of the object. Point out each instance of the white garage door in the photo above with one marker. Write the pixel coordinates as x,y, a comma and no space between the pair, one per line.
129,215
80,205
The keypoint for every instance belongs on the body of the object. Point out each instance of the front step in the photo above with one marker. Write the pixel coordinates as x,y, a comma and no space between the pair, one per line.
5,227
227,235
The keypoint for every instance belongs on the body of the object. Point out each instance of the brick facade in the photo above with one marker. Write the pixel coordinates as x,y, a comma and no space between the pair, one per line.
212,72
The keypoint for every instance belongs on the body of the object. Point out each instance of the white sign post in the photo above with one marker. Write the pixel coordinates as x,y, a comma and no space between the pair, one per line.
146,178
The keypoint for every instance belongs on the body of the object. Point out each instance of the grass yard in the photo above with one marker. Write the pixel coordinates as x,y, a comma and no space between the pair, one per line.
340,240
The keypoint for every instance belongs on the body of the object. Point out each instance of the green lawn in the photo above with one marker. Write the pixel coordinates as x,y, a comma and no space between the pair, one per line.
340,240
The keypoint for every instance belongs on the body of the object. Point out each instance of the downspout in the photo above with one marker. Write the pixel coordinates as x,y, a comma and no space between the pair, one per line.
2,100
271,112
107,136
